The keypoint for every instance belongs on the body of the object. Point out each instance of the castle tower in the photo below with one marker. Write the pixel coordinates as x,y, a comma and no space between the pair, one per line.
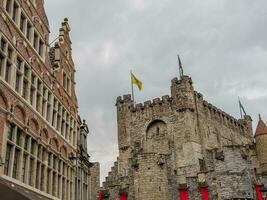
261,144
182,92
124,105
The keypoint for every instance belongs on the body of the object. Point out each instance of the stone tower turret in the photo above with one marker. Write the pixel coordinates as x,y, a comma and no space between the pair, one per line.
261,144
182,92
124,105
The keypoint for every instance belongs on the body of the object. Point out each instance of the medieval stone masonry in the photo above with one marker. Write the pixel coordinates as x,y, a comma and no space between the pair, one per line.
43,148
182,147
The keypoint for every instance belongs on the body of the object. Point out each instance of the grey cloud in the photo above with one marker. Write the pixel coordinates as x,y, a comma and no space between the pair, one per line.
222,45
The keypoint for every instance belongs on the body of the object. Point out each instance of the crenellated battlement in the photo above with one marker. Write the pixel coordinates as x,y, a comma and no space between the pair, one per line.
124,99
165,100
183,98
222,116
184,79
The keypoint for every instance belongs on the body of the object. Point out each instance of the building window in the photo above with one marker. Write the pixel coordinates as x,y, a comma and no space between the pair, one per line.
33,91
7,72
68,85
41,48
48,181
42,178
59,117
15,12
18,136
10,132
63,122
48,109
50,156
16,164
17,83
2,62
24,165
28,31
33,147
54,189
66,82
63,188
40,149
58,186
8,6
25,89
39,96
35,41
7,159
31,171
26,143
23,22
9,53
3,45
37,180
19,63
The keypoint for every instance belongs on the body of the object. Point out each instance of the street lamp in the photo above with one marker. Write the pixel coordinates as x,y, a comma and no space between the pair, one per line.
264,192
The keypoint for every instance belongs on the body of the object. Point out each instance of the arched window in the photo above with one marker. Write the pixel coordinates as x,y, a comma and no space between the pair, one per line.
156,128
157,140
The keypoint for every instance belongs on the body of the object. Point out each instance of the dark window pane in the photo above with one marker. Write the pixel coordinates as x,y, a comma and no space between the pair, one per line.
15,164
7,159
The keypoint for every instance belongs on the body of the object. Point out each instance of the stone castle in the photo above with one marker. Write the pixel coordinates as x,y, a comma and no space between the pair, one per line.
182,147
43,141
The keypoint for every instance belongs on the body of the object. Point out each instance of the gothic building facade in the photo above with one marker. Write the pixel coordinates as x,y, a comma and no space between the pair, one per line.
43,150
182,147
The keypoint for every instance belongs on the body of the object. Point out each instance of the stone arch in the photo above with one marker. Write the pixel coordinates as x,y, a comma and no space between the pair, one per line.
156,137
64,151
20,113
44,135
3,100
156,128
34,125
54,143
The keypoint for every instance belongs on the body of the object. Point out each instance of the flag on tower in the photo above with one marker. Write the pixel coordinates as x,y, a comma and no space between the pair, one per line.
136,82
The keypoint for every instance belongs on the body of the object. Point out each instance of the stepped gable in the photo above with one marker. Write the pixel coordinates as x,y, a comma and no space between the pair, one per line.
261,128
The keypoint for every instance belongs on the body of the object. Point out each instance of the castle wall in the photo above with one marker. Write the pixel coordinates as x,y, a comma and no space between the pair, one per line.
150,179
232,175
184,128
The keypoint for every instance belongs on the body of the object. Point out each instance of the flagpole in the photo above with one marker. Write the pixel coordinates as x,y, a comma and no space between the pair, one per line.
181,71
240,108
132,87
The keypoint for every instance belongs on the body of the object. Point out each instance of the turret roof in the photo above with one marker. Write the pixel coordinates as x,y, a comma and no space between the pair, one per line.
261,128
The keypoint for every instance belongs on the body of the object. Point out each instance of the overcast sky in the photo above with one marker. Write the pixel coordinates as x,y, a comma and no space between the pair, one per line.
222,44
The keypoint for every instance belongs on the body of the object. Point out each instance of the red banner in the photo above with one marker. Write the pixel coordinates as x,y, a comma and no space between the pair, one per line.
123,197
100,195
205,193
258,191
184,194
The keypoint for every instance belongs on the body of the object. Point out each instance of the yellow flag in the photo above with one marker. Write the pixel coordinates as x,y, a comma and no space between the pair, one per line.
135,81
